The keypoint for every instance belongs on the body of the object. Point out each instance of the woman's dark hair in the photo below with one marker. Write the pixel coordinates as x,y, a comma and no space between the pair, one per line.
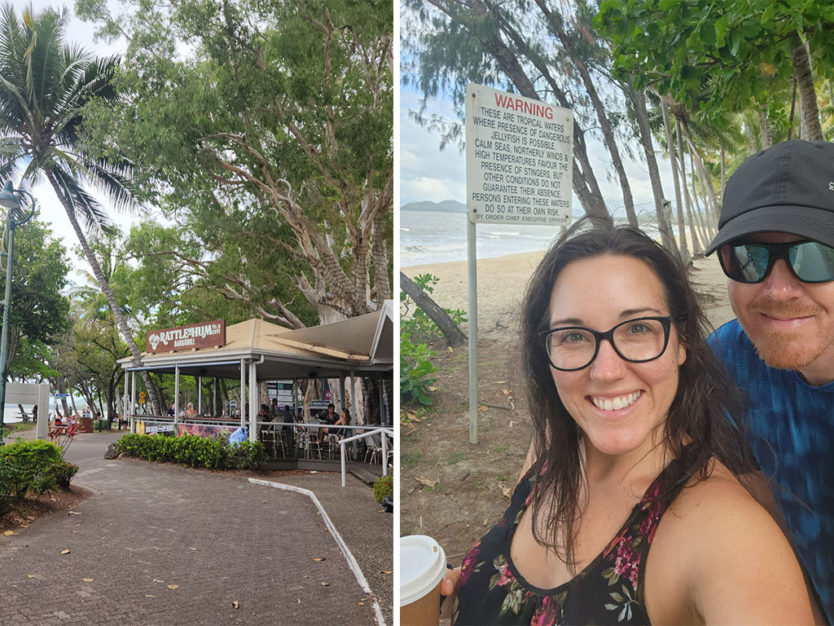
699,413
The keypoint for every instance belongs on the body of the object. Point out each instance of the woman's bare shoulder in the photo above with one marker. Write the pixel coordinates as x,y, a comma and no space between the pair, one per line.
727,552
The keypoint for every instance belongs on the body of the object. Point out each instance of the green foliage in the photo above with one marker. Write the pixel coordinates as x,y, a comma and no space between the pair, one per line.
263,130
39,309
416,369
383,486
419,326
715,56
194,451
26,465
62,473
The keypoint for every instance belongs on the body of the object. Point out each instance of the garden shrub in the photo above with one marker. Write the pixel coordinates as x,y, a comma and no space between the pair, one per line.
194,451
383,486
62,473
28,463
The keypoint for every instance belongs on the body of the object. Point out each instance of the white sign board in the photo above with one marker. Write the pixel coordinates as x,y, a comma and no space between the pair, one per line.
519,159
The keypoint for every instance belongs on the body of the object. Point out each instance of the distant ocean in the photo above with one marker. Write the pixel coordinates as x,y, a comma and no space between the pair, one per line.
440,237
12,413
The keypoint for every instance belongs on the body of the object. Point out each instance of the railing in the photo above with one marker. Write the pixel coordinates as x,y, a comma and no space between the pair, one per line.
384,433
300,441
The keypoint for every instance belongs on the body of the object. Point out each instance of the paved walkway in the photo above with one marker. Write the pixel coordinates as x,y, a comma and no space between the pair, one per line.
163,544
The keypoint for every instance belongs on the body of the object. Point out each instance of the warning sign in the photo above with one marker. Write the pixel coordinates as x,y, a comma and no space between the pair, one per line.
519,158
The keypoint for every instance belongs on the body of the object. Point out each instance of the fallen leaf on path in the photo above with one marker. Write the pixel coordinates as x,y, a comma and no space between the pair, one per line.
319,559
426,481
432,388
236,604
506,392
88,580
387,571
156,580
173,586
149,595
361,604
507,492
324,584
32,576
73,513
482,408
65,551
7,533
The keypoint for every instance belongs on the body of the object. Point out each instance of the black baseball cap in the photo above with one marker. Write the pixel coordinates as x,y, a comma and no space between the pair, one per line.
787,188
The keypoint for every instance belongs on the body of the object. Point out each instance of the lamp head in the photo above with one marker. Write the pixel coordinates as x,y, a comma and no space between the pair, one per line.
7,197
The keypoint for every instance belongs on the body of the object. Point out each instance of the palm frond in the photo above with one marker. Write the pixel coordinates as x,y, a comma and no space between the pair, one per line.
81,202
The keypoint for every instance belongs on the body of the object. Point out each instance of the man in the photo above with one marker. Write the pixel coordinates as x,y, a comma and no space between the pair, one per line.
776,244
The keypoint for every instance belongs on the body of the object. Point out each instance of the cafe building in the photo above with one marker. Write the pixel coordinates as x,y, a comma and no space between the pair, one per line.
249,353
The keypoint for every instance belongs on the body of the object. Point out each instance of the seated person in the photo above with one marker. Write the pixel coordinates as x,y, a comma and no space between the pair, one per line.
328,418
190,411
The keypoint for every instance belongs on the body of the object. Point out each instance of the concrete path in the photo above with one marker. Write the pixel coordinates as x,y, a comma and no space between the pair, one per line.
163,544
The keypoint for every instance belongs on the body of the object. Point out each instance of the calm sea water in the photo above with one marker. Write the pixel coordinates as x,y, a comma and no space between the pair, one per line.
440,237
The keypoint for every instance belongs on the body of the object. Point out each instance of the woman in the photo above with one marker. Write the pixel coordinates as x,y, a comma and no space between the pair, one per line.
631,511
190,411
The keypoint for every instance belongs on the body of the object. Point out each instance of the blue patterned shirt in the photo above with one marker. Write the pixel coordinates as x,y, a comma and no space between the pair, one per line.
792,436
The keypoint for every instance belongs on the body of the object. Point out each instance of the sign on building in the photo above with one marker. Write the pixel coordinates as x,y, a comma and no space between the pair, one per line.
202,335
519,159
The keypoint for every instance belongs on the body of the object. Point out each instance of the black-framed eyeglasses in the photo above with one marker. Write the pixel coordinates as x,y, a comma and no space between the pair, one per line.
808,261
571,348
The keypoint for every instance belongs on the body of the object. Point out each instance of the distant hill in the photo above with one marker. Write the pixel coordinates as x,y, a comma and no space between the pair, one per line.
446,206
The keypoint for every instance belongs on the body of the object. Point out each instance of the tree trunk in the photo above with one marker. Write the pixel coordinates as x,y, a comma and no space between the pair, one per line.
454,335
765,133
699,163
555,22
681,224
809,117
642,115
105,287
674,157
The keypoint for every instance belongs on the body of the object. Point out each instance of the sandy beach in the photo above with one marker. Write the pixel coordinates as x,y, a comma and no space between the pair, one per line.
502,283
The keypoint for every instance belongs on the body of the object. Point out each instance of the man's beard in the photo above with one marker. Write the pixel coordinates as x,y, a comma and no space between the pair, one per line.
787,349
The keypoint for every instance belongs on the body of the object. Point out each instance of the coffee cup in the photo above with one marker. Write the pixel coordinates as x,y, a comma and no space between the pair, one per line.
422,566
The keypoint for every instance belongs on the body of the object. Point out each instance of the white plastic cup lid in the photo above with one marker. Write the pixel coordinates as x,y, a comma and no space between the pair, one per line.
422,565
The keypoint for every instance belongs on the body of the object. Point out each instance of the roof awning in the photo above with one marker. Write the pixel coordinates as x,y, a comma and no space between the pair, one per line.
362,345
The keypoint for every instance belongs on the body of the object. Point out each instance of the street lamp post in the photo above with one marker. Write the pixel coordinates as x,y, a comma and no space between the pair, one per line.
17,217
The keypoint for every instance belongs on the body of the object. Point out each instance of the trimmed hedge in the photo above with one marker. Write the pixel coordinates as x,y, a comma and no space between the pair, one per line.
31,466
194,451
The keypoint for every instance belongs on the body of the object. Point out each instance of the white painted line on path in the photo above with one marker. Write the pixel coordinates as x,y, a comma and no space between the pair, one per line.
354,566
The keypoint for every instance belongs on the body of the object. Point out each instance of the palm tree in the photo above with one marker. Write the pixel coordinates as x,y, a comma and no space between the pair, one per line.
44,85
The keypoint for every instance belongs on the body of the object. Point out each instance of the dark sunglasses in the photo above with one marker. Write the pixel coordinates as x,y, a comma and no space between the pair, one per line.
809,261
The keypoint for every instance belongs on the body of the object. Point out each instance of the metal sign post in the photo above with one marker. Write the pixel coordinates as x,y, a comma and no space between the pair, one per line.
519,157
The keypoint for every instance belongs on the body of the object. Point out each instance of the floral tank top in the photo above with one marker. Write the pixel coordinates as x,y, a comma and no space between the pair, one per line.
610,590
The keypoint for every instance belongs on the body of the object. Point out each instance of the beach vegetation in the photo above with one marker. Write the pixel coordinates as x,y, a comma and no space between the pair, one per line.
416,370
415,321
456,457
